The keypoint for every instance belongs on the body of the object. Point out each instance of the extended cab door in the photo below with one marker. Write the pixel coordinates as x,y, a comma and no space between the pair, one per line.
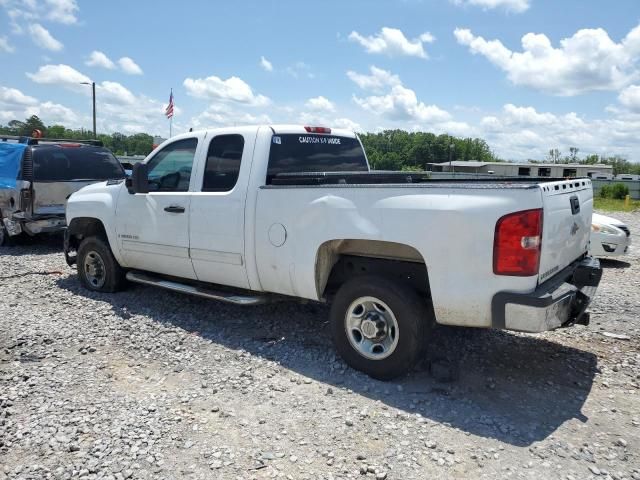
153,228
217,243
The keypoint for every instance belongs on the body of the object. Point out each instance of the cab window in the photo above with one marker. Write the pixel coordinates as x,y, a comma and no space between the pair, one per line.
170,168
223,163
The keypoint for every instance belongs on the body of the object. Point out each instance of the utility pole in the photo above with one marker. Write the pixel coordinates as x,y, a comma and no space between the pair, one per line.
93,94
93,91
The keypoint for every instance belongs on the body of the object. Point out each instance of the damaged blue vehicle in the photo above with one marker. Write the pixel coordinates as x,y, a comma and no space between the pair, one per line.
38,175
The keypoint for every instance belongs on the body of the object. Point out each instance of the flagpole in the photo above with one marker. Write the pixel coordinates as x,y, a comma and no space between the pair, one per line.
171,119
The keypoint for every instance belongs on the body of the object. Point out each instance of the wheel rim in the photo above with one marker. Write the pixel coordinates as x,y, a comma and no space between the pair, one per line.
372,328
94,269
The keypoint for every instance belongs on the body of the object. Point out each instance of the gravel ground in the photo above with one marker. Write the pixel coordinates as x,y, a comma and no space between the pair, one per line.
150,384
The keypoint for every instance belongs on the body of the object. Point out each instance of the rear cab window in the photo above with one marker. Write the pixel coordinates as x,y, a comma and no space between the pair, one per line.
75,163
314,153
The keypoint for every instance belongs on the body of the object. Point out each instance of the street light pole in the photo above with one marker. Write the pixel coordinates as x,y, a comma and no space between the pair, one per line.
93,94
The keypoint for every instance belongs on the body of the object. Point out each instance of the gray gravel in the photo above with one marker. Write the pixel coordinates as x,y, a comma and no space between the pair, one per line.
150,384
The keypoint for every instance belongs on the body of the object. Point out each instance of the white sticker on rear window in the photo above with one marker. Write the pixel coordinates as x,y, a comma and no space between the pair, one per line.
277,140
321,140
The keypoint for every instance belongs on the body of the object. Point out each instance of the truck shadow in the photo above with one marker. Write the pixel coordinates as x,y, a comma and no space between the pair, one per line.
613,263
514,388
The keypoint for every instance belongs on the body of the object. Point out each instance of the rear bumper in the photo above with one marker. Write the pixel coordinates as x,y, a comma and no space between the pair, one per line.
15,224
560,301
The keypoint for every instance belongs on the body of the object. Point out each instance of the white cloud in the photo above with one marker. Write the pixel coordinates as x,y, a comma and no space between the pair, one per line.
14,97
115,93
587,61
346,123
22,13
51,113
99,59
320,104
392,42
377,81
266,64
5,46
58,75
517,6
519,132
62,11
401,103
129,66
223,115
317,118
233,89
299,69
630,98
15,105
44,39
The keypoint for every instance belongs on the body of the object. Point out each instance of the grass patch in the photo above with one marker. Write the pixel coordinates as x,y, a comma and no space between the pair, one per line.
614,205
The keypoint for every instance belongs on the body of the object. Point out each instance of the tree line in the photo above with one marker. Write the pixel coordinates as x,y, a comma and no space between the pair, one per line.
118,143
401,150
386,150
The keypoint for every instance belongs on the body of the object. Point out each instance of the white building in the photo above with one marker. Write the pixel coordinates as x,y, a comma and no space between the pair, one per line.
511,169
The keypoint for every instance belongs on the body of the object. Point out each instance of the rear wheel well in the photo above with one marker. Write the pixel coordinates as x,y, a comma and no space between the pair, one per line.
338,261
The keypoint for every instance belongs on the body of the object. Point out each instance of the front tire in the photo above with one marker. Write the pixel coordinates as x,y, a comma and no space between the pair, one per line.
98,269
379,326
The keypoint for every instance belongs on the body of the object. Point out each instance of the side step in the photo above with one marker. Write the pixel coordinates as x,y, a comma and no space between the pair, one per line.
149,279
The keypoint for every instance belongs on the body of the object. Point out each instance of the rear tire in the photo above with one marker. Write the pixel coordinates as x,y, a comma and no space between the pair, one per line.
98,269
379,326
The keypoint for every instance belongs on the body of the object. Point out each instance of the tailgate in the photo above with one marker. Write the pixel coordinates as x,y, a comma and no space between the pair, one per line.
568,205
50,198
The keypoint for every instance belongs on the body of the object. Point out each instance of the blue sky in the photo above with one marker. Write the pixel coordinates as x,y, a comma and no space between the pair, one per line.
526,75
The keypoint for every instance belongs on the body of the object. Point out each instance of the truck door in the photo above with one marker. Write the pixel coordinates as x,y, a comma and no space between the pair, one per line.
218,211
153,228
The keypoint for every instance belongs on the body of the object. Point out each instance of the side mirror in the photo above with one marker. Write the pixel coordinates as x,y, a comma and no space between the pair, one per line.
139,181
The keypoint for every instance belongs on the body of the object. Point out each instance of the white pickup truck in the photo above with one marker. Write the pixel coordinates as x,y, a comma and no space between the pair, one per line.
253,214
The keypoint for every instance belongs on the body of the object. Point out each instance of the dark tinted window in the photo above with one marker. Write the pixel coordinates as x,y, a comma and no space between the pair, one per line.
223,163
569,172
170,168
293,153
524,171
544,172
60,163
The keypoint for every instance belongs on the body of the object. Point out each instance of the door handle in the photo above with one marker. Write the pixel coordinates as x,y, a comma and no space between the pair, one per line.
174,209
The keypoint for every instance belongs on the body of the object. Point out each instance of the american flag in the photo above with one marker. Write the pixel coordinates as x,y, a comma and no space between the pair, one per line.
169,110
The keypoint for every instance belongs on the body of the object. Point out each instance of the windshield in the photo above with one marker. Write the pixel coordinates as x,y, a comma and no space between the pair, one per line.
298,153
65,164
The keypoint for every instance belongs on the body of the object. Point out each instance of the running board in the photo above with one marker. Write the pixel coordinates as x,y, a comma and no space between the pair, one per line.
148,279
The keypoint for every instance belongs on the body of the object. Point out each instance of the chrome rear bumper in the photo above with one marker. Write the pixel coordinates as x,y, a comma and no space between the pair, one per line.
560,301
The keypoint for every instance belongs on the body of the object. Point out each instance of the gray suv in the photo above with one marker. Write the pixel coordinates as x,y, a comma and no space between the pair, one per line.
37,176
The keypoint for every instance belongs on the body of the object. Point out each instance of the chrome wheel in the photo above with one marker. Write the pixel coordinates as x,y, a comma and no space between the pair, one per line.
372,328
94,269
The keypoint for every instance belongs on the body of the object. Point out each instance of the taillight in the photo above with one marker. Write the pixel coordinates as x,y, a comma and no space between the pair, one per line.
318,129
516,247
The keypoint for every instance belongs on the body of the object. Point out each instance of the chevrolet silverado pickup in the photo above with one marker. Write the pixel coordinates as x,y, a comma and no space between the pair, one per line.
254,214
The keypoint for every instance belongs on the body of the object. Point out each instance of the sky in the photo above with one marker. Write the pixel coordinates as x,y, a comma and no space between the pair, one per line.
525,75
